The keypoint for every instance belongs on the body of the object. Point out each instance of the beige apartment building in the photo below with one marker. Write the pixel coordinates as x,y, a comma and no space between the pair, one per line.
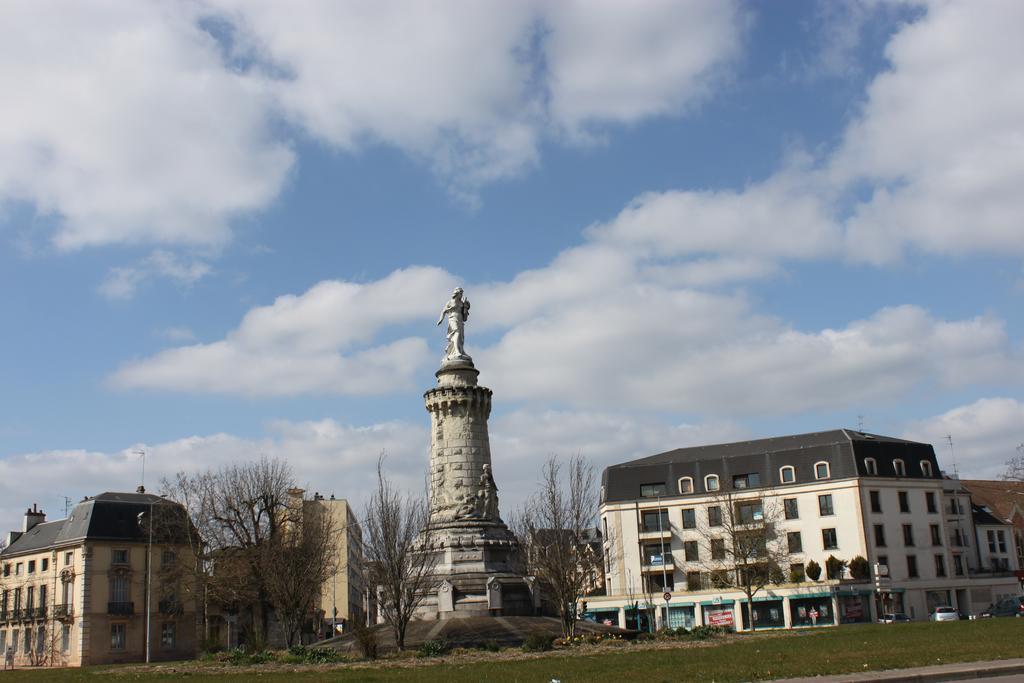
343,595
872,502
82,590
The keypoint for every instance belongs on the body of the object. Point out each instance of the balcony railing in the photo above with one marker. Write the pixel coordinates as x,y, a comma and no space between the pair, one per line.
5,615
62,611
120,608
38,612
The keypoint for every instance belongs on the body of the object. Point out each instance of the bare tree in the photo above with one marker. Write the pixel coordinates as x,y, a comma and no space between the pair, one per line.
1015,466
298,561
237,511
399,568
556,528
743,545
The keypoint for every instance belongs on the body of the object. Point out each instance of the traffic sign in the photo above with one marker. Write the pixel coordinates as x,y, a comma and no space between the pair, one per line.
667,596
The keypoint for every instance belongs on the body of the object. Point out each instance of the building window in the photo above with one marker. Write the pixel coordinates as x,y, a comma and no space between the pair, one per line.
694,581
119,556
656,555
904,501
829,541
69,557
795,542
689,518
929,501
714,516
67,592
168,635
900,468
45,564
3,640
27,641
825,505
685,485
871,467
926,468
746,481
690,551
651,490
958,565
940,565
749,513
876,501
883,560
17,599
912,566
796,572
787,475
880,535
717,548
791,509
908,535
821,470
65,638
655,520
119,589
1002,540
30,597
711,482
17,569
7,568
936,534
991,541
31,566
117,636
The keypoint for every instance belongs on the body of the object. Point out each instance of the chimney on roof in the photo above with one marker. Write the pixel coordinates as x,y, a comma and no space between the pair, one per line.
140,489
32,517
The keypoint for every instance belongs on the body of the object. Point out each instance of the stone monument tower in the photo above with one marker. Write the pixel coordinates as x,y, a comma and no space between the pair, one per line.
479,567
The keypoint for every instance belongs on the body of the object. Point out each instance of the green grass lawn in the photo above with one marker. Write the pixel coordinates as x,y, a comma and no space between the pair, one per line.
841,650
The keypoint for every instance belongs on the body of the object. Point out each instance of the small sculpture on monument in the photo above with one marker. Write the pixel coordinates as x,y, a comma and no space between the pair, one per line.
487,494
457,312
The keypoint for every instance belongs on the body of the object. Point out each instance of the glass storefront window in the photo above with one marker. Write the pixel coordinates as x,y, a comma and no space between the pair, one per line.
767,614
811,611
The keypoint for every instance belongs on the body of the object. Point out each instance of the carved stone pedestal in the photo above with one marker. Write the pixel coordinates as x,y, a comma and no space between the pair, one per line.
479,568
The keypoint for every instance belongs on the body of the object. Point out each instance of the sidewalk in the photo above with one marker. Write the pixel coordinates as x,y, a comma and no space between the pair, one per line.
963,671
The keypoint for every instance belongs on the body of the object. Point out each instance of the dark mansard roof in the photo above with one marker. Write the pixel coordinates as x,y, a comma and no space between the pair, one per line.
109,516
844,450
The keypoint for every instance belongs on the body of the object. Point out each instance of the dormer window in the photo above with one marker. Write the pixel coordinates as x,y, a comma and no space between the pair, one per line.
711,482
871,467
685,485
821,470
746,481
926,468
900,467
653,490
787,475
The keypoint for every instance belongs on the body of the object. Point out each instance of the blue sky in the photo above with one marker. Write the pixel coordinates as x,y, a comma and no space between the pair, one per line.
226,230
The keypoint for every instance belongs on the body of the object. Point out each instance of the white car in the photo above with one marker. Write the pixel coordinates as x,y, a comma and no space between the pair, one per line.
945,614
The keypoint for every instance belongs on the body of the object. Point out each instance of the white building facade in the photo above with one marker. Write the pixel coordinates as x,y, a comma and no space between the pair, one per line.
873,513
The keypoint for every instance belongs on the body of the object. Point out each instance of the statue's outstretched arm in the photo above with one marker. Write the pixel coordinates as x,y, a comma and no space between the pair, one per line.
441,319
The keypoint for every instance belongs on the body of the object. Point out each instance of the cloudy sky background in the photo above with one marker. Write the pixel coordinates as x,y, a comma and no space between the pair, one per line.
227,228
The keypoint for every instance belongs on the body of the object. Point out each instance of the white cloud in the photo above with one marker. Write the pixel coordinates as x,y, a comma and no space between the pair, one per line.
325,455
122,122
940,140
330,457
122,282
303,344
985,435
130,122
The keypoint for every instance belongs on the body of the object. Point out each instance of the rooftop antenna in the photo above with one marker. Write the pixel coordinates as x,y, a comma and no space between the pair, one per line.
142,452
952,455
860,423
67,505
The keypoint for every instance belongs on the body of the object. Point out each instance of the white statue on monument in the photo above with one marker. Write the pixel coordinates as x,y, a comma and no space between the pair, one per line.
457,312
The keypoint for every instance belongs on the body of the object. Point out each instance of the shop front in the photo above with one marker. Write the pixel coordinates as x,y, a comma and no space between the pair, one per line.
768,613
680,616
855,607
812,610
719,614
608,617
